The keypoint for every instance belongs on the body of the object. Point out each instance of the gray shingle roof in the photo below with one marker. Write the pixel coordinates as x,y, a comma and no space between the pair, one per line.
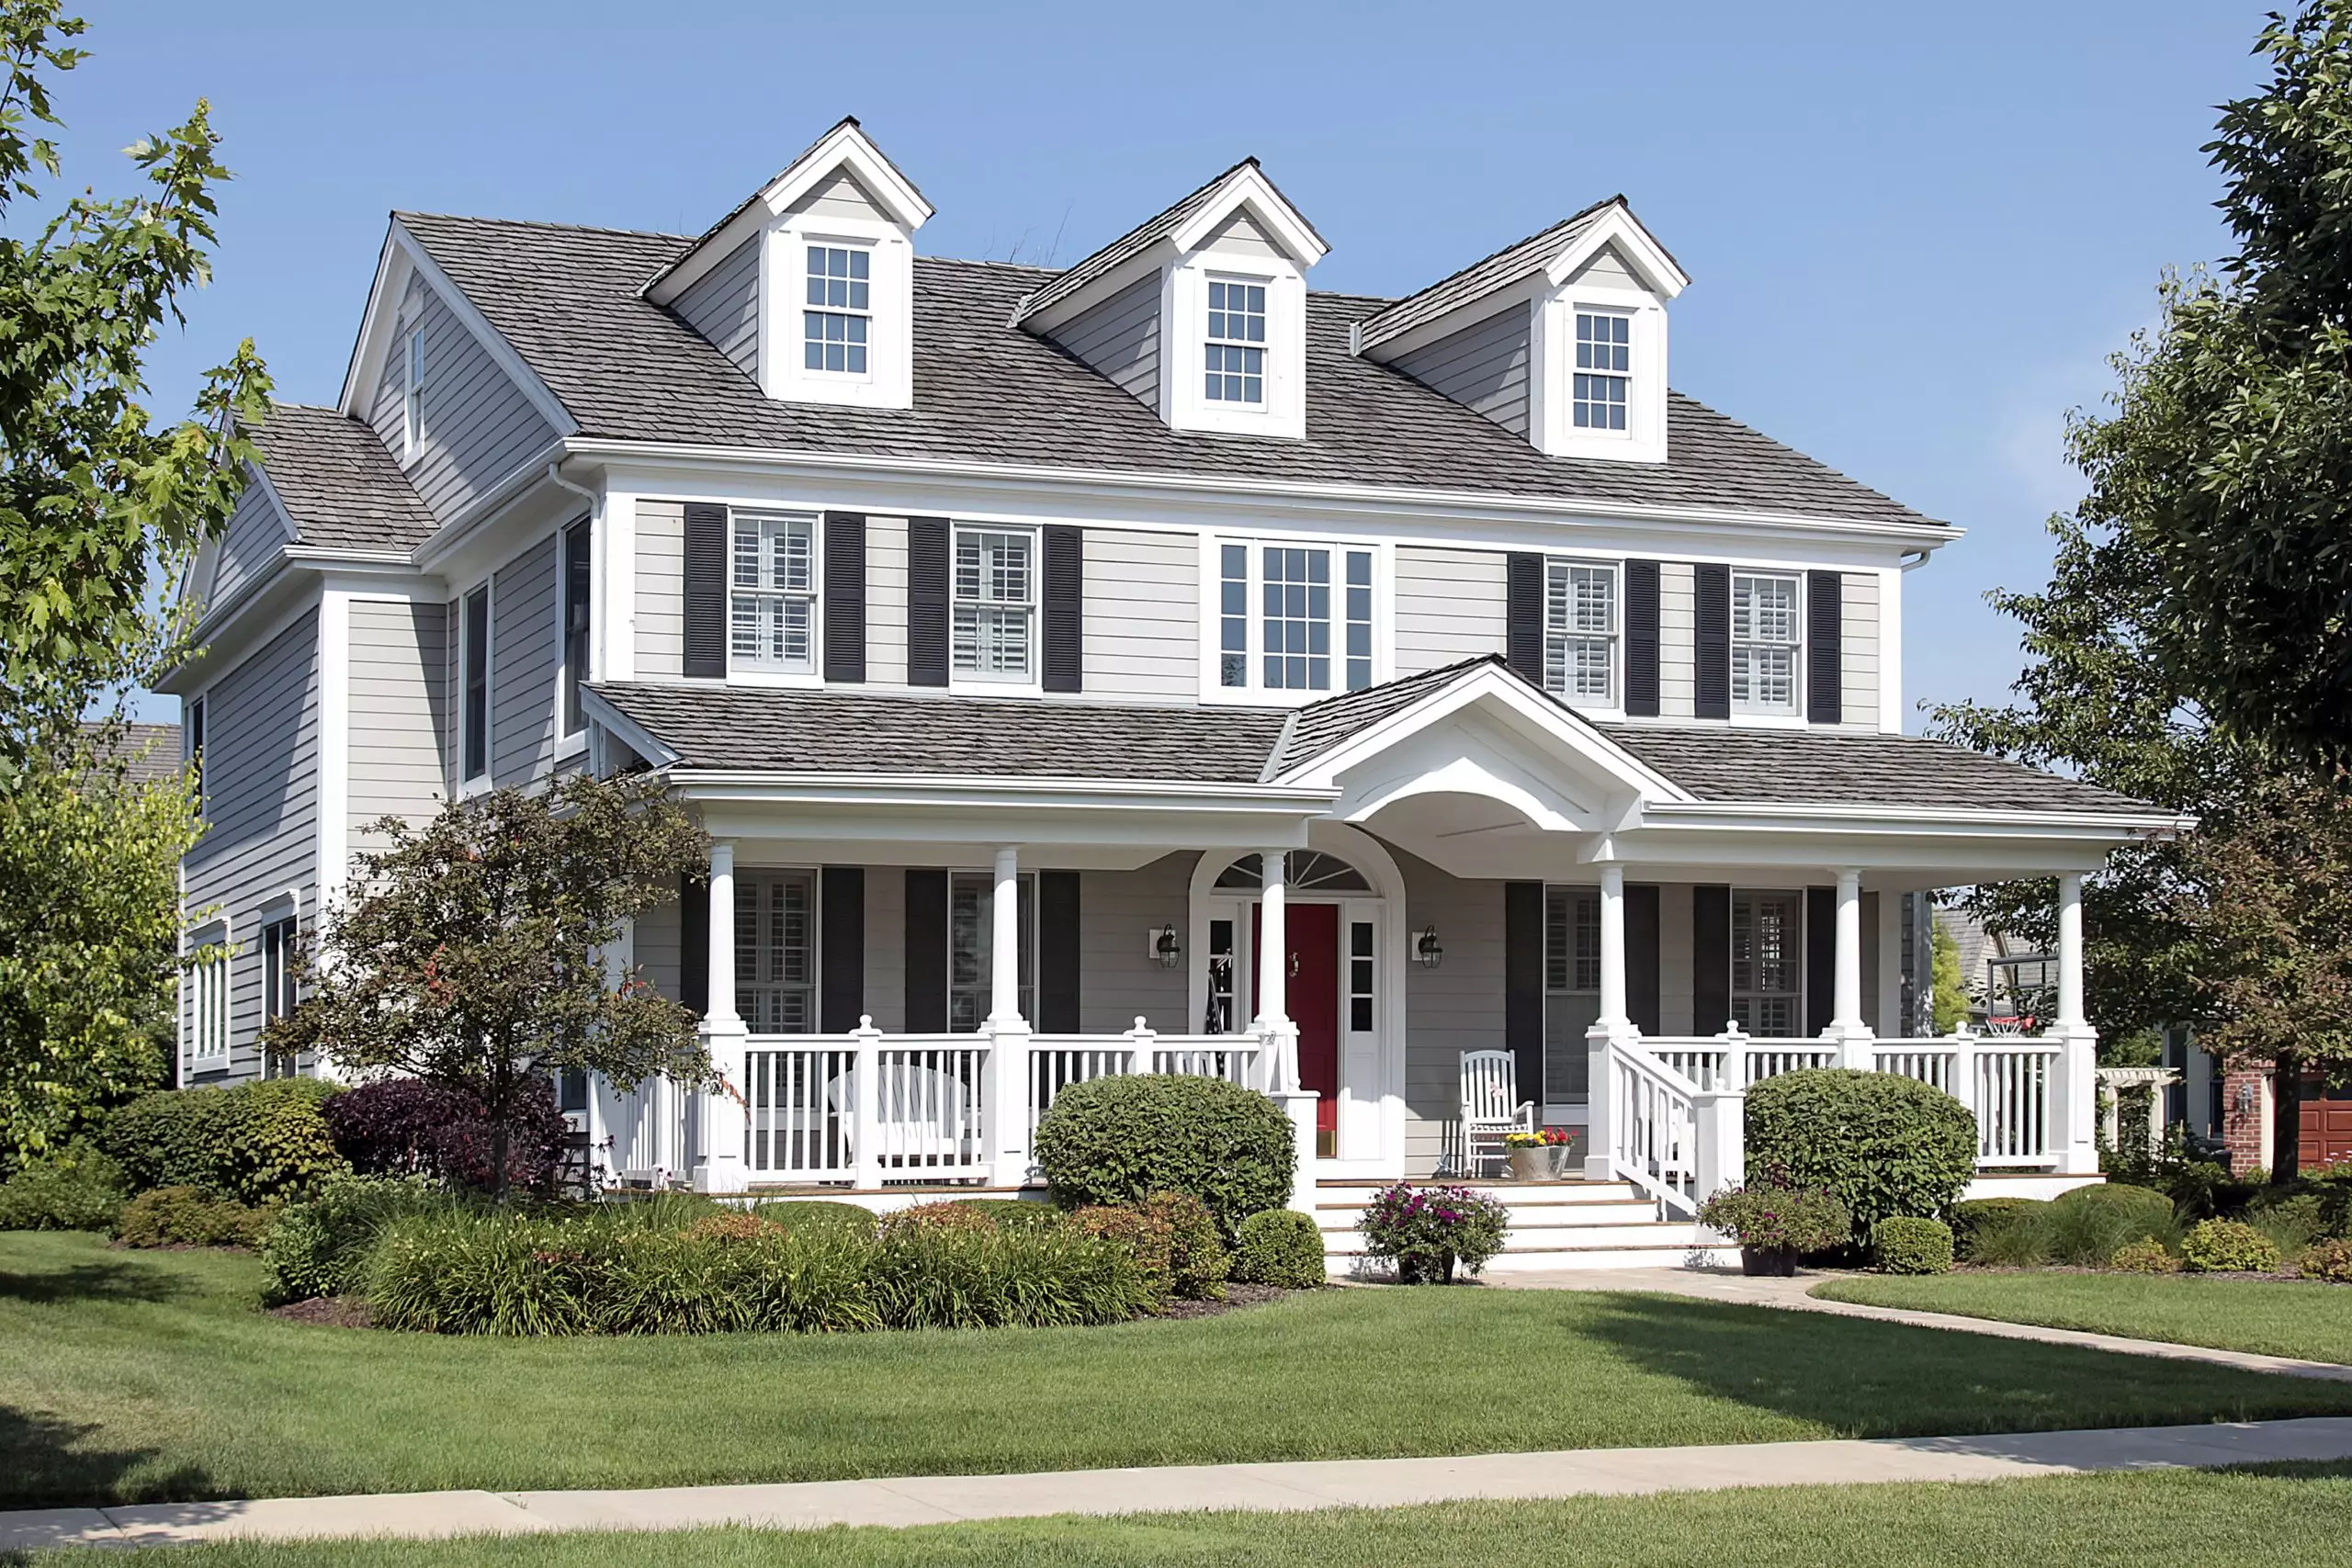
566,299
151,752
1483,277
338,481
835,730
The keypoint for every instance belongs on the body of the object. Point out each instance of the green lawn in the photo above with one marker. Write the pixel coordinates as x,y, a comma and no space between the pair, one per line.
2275,1317
2281,1519
149,1375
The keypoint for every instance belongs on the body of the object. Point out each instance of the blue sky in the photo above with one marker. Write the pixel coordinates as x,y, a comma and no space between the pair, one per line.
1916,232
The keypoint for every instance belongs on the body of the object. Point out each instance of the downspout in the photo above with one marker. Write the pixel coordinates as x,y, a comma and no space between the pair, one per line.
1913,560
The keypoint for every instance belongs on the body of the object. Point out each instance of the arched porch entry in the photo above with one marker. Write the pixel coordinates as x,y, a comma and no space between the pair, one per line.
1346,943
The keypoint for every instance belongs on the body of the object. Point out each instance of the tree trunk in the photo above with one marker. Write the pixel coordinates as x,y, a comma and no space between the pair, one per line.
500,1119
2286,1116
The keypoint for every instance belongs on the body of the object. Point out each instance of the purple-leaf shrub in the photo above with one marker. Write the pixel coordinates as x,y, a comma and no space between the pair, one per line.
416,1126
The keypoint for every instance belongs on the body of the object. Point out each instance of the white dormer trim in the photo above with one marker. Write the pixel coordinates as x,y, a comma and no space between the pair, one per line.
1552,370
1183,322
1248,190
888,381
1657,271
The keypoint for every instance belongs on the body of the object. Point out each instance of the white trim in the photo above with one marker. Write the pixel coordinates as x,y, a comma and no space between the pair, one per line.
1247,189
1551,381
1799,648
414,383
758,675
568,746
1254,692
1183,400
209,990
1890,650
334,739
979,684
888,381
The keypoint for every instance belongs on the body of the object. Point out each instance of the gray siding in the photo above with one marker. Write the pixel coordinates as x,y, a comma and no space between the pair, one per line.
841,196
249,547
654,947
1483,368
1450,605
724,306
398,675
479,425
660,590
1678,632
1119,981
524,655
1120,337
1606,266
261,805
1143,615
1239,235
1455,1008
1858,648
886,601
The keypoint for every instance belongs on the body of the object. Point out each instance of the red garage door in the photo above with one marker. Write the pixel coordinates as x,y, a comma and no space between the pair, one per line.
2327,1124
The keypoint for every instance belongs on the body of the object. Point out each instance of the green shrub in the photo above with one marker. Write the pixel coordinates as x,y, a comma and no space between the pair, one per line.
1038,1279
319,1247
2145,1256
1972,1217
1118,1140
1197,1260
183,1217
1279,1246
2220,1247
253,1142
2082,1228
1905,1244
75,1189
2328,1260
2015,1243
1884,1143
804,1214
1147,1239
1766,1215
1018,1213
2298,1213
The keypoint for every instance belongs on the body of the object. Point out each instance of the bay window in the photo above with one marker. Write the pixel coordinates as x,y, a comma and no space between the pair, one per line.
1294,617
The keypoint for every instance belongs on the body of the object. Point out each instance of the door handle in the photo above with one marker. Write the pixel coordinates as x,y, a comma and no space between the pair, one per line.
1294,965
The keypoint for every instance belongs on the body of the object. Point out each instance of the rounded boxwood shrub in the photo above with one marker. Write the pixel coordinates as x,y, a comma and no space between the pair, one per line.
1279,1247
416,1127
1974,1219
1906,1243
2224,1246
1119,1140
1884,1143
2145,1256
253,1142
75,1189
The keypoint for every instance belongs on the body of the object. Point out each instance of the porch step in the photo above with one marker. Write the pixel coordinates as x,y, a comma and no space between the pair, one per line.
1553,1225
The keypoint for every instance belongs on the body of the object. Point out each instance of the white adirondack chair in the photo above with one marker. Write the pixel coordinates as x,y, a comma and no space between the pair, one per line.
1490,1106
923,1117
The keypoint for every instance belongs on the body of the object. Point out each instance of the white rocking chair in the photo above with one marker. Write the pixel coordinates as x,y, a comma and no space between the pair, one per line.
1491,1106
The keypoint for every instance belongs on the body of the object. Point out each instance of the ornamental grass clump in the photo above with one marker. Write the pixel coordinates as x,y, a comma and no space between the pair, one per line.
2081,1229
319,1247
1428,1230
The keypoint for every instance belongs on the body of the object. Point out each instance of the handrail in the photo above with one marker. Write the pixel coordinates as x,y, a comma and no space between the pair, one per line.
1653,1127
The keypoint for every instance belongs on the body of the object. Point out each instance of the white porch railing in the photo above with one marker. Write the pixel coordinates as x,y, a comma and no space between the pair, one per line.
644,1132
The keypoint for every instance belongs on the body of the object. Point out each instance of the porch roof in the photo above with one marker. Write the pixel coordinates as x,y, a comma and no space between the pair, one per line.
832,730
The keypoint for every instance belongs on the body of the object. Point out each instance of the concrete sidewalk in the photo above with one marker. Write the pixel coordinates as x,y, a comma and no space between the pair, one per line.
1326,1483
1722,1285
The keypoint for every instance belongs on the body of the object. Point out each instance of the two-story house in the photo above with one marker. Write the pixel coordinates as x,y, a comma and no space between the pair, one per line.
1334,685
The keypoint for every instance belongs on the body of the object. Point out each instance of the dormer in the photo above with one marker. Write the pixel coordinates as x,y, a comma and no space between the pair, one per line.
1560,339
1200,311
808,286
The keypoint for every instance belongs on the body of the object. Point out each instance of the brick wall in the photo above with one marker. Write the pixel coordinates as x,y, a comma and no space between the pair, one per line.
2246,1131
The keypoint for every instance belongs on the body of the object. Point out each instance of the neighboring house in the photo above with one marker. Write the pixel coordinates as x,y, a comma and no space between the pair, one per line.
1009,625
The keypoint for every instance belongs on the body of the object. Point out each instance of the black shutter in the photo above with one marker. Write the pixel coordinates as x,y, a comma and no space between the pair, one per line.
706,568
1523,985
1641,638
1710,959
1064,610
1712,614
840,947
1641,957
1820,957
1825,662
926,952
694,942
1523,635
1057,966
844,599
927,602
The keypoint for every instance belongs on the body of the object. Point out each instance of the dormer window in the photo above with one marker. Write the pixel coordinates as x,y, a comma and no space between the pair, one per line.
836,327
1604,367
1235,352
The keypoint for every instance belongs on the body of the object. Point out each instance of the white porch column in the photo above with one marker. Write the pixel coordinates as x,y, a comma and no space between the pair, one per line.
1004,940
1273,974
1613,1027
1612,944
1007,1106
2074,1085
723,1034
1846,1025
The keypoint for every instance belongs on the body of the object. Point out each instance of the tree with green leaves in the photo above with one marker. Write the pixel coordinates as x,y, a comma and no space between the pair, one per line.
1947,990
472,949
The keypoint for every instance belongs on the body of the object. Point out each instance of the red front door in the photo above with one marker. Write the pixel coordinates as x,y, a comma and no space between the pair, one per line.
1312,998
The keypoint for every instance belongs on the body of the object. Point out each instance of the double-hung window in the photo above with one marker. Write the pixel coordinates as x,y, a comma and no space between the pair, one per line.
207,1042
575,624
412,395
773,599
1604,370
840,318
1764,640
775,952
971,945
1235,352
1295,618
994,609
277,987
474,654
1580,632
1767,945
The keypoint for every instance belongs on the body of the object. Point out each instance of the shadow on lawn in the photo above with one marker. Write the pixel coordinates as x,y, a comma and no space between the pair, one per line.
48,1462
107,1281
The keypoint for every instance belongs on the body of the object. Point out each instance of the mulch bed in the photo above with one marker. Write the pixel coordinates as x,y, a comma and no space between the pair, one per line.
1236,1296
328,1312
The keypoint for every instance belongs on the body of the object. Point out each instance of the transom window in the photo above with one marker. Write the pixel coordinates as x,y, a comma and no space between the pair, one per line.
1580,632
775,952
1313,618
1766,947
1303,871
971,941
1763,643
1236,350
995,593
836,325
1604,369
773,604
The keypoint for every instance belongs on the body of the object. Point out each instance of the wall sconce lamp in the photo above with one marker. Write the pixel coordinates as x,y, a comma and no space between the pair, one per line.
1165,947
1428,951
